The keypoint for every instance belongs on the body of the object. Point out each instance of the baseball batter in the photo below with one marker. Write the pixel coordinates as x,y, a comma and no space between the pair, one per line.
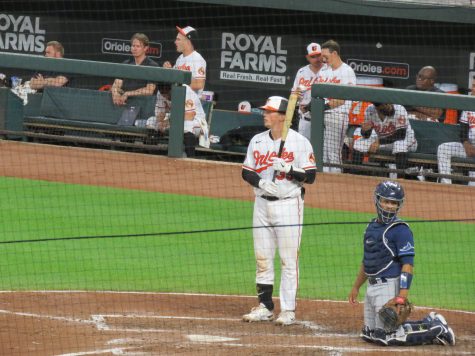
386,126
278,209
336,117
189,59
464,149
388,260
304,79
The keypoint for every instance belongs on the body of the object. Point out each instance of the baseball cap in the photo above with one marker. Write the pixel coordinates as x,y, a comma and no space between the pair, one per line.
313,49
188,31
244,107
275,103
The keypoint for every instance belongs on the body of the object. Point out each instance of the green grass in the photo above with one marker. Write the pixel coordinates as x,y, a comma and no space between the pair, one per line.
205,262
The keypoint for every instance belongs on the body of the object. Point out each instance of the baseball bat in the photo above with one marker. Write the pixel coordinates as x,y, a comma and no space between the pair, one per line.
289,115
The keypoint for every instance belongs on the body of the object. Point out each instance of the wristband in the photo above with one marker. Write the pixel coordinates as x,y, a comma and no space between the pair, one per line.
405,280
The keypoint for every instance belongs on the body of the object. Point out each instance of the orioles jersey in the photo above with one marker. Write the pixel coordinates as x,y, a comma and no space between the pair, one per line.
305,77
388,126
344,74
297,151
468,117
193,63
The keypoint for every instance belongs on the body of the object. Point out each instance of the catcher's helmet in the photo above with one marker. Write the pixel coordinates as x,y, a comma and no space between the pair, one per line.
391,191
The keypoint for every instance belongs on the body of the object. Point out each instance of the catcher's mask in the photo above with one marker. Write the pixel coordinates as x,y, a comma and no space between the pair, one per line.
391,191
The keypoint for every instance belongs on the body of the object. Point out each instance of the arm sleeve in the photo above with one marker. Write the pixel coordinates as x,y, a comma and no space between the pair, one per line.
307,176
464,128
251,177
400,134
304,170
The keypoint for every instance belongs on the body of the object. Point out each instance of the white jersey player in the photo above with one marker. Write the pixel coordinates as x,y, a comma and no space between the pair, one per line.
464,149
385,126
304,79
336,117
278,208
195,64
189,59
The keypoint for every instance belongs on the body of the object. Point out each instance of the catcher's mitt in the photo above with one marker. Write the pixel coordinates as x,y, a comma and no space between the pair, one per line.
394,313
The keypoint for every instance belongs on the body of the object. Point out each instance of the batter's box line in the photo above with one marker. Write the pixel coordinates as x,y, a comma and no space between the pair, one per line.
418,307
101,324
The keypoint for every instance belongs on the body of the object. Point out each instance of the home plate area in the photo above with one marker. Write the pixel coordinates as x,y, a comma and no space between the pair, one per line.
111,323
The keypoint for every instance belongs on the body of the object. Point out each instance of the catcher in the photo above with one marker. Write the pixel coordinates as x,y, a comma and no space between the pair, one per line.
387,265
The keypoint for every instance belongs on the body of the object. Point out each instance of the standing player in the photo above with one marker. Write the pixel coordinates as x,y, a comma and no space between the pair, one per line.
465,148
278,208
305,77
388,260
189,59
336,116
385,126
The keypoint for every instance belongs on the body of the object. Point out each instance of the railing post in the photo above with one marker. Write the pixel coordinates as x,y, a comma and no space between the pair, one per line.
177,123
316,130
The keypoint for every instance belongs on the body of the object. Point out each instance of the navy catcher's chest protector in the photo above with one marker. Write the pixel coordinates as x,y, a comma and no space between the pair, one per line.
378,255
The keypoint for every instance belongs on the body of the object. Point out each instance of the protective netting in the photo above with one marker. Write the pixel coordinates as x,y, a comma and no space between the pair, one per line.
110,244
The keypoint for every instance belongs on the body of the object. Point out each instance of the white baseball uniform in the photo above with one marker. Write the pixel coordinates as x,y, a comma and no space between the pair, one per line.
386,128
285,210
198,126
304,79
193,63
336,119
447,150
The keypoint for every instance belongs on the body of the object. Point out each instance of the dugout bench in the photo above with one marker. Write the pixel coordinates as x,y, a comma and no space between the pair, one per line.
90,113
429,136
84,112
234,130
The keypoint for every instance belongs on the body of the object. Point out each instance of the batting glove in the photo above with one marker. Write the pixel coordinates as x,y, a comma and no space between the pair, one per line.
268,186
280,165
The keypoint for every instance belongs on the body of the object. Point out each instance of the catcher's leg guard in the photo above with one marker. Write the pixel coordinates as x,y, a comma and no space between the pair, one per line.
379,337
408,335
366,334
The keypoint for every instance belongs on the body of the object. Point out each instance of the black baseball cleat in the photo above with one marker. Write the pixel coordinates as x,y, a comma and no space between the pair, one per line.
447,337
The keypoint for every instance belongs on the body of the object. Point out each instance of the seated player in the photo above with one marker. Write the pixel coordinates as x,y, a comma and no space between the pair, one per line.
386,126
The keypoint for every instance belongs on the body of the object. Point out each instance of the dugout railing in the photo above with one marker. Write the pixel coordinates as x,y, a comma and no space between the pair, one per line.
397,96
114,70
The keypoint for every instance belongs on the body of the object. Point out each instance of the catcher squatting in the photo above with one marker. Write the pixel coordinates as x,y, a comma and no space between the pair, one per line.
387,265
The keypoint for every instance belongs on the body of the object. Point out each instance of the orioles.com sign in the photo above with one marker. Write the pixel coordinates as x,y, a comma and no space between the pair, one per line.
379,69
122,47
251,58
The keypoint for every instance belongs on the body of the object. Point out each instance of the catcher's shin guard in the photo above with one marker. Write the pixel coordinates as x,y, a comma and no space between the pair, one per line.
408,336
366,334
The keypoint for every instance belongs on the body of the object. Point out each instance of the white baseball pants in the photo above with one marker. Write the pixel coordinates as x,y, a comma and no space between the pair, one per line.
445,152
336,124
268,236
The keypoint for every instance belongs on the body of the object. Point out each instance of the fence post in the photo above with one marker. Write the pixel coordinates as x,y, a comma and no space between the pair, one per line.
316,130
177,123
